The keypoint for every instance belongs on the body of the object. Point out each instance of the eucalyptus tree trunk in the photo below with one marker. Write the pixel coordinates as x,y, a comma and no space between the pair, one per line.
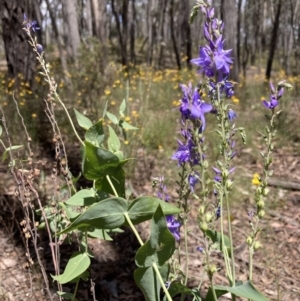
62,55
19,54
186,32
229,16
121,30
73,29
273,42
290,36
161,32
173,35
132,32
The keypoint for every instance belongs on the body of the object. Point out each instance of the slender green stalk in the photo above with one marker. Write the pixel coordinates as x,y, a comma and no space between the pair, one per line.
76,289
230,237
133,228
222,110
154,265
112,185
186,251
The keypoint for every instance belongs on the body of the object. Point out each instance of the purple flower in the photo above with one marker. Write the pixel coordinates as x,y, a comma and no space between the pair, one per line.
231,115
218,212
200,249
272,103
173,226
39,48
274,98
186,153
214,58
30,24
222,58
193,180
192,107
218,177
204,61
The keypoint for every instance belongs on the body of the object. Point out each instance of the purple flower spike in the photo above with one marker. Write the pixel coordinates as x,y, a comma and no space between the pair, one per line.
173,226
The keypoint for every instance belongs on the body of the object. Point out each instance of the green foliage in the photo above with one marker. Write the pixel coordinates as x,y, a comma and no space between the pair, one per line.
152,257
76,268
161,244
244,290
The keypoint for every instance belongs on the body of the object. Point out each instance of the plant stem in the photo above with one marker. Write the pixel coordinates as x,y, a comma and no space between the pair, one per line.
154,265
76,289
133,228
231,239
112,185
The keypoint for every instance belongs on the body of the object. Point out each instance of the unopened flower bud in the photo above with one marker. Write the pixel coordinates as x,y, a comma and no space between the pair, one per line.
201,210
249,240
260,204
229,183
211,269
265,191
257,245
204,226
261,213
208,217
39,48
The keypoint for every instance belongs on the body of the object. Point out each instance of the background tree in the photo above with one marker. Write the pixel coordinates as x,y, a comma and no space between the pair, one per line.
229,17
19,55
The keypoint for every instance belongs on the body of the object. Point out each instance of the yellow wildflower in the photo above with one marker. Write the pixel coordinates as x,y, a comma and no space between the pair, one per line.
256,179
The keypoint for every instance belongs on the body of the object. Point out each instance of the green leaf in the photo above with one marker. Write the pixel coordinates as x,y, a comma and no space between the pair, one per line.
6,152
177,288
107,214
77,265
82,120
122,108
120,155
216,238
67,296
97,160
161,244
114,119
147,280
113,141
84,197
95,134
143,208
99,233
125,125
72,215
117,177
104,110
210,296
246,290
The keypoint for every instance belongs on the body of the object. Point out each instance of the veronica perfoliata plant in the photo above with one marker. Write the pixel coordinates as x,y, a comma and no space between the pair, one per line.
214,63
